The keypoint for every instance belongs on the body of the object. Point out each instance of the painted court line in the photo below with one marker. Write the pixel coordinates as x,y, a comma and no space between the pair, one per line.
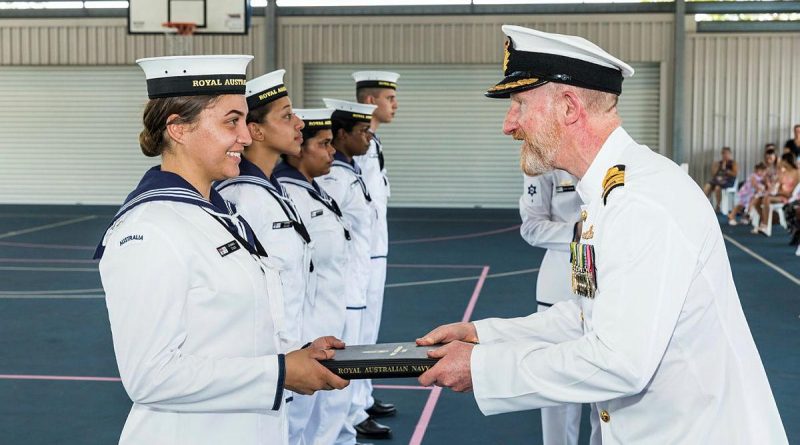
47,260
457,279
766,262
48,269
433,398
47,246
455,237
45,292
436,266
69,378
46,226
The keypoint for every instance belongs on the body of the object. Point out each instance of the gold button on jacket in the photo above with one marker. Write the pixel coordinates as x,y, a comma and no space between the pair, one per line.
604,416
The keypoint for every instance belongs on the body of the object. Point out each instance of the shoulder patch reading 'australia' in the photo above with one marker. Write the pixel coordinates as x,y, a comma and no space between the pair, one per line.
129,238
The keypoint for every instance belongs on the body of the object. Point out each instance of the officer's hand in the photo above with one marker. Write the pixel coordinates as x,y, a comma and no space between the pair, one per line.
305,375
453,368
447,333
327,342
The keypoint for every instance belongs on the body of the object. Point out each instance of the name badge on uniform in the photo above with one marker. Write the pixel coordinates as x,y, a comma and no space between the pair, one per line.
316,213
228,248
584,273
565,188
281,225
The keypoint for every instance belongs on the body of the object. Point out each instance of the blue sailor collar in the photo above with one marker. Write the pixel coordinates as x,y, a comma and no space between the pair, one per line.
158,185
287,173
590,186
250,173
341,159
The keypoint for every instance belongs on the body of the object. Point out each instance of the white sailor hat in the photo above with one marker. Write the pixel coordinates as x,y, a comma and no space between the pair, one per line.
265,89
376,79
533,58
194,75
315,118
350,110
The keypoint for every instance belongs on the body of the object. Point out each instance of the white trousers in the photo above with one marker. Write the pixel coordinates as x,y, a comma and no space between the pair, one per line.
372,322
354,412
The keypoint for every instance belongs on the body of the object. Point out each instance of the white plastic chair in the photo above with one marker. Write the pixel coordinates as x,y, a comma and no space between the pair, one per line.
728,198
778,207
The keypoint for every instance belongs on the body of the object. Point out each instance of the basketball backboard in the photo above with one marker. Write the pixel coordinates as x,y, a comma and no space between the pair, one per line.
211,16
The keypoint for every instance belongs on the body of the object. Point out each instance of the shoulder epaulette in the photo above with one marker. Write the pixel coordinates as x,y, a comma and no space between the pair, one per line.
615,177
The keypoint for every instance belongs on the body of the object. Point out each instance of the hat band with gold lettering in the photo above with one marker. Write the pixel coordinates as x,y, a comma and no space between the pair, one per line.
351,116
269,95
211,85
376,84
318,124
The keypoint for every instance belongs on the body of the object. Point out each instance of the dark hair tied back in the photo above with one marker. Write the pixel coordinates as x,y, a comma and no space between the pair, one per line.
153,138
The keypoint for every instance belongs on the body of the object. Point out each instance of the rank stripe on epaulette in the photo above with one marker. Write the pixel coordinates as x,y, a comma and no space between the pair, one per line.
615,177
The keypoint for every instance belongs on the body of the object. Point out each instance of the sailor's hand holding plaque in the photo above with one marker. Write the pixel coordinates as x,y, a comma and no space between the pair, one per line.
453,367
304,375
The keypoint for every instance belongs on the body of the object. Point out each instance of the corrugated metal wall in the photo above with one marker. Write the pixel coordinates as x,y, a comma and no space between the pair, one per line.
106,42
463,40
743,90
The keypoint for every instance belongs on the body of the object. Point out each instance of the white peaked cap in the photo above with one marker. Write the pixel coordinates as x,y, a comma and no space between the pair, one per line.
352,107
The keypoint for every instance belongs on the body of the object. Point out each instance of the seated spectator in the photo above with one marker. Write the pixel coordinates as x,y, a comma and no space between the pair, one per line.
788,178
723,175
793,145
792,213
771,160
755,185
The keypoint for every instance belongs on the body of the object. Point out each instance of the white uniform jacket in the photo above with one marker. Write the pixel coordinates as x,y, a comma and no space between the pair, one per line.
277,224
549,207
346,186
197,324
373,171
330,255
663,348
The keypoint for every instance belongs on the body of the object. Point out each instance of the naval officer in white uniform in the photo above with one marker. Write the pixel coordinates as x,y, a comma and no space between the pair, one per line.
377,88
549,207
659,341
325,311
194,303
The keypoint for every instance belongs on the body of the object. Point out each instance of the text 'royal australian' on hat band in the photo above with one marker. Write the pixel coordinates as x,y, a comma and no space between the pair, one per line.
349,115
376,84
270,95
195,85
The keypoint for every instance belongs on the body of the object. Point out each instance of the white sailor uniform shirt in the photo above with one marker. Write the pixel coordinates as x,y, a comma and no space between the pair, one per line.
325,311
549,207
196,320
345,185
265,205
373,170
663,347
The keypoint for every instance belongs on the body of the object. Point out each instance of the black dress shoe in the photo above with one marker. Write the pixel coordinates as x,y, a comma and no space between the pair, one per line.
380,409
373,430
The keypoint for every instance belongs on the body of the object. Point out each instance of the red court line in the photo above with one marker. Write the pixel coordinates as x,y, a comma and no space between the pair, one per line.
44,260
437,266
454,237
71,378
46,246
402,387
433,398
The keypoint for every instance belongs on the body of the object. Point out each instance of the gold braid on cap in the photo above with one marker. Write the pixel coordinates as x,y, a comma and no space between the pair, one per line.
514,84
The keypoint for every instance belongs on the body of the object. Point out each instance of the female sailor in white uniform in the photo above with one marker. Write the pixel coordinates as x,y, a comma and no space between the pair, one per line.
325,310
262,200
196,311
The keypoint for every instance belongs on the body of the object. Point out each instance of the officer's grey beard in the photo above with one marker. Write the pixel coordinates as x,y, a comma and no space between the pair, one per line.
538,153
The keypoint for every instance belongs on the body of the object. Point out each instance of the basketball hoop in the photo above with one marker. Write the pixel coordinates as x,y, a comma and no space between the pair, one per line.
179,42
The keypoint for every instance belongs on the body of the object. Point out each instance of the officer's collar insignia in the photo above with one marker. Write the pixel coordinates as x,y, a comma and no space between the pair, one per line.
531,190
615,177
